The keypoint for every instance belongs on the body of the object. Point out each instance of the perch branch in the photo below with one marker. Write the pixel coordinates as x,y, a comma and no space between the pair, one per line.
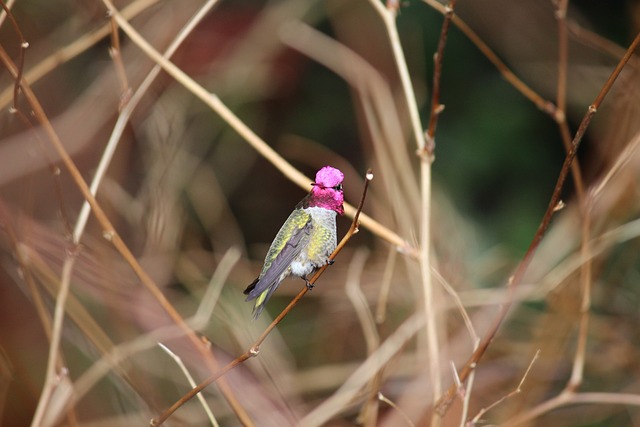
255,348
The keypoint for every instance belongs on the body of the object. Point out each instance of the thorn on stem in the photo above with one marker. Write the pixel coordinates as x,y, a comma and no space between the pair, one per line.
206,341
393,5
62,374
428,151
108,235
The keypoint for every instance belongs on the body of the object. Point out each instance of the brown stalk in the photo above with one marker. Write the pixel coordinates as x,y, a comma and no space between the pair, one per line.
445,400
585,212
109,231
114,52
55,171
76,47
255,348
427,156
507,74
436,107
512,393
23,46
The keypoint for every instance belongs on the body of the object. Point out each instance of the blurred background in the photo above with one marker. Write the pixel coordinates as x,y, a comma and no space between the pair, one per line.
190,197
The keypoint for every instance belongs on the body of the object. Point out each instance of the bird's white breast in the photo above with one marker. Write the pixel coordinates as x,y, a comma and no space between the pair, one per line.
322,242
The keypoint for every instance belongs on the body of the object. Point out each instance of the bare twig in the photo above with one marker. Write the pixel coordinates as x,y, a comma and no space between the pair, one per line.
359,302
3,15
522,87
385,286
244,131
570,398
388,16
127,111
377,100
473,360
114,52
192,383
74,49
109,231
517,390
585,212
23,47
369,413
351,388
146,341
389,402
436,107
51,376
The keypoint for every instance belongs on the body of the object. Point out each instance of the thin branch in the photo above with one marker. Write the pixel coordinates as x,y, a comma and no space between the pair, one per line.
3,15
585,212
74,49
359,302
570,398
369,413
507,74
466,401
436,107
351,388
23,47
514,281
377,100
120,352
517,390
388,16
458,302
114,52
51,376
192,383
404,416
255,348
245,131
127,111
385,286
109,231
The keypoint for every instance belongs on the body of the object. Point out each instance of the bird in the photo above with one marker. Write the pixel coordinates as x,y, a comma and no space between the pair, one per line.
305,241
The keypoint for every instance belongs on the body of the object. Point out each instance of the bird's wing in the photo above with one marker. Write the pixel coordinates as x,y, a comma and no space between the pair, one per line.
287,250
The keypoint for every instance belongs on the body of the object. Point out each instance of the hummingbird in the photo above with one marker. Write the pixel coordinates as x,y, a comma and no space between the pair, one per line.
305,241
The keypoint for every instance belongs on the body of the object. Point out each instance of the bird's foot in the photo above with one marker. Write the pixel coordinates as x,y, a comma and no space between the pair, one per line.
330,261
309,284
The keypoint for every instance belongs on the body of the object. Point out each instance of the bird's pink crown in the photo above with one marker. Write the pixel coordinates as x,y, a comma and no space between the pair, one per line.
329,177
327,189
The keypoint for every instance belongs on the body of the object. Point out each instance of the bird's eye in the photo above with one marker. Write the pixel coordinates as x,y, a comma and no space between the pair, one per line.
338,187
